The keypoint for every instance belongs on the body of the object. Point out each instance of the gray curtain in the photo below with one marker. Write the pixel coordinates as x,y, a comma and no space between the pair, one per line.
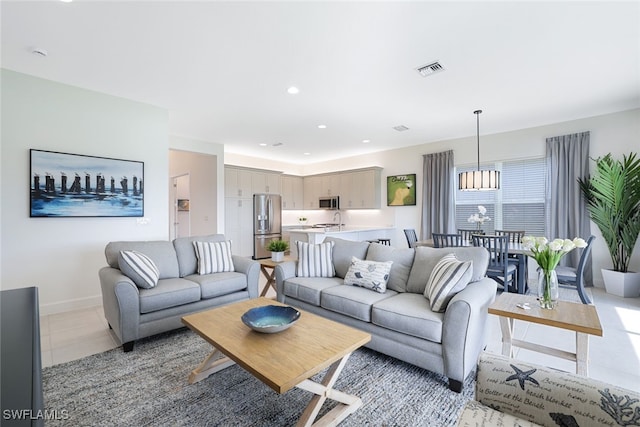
567,215
438,204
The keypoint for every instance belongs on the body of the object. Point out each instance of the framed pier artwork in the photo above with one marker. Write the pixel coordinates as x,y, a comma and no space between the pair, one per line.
74,185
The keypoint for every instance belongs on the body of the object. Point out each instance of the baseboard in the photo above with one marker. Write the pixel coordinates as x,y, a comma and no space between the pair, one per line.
70,305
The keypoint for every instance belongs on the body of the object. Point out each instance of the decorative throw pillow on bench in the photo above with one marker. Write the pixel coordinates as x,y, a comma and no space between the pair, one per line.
139,268
213,257
372,275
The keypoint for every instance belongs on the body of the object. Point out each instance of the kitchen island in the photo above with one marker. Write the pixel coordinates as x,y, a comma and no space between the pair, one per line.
347,232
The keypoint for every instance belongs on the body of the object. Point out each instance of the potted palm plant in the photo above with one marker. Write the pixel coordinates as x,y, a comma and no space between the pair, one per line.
277,248
613,201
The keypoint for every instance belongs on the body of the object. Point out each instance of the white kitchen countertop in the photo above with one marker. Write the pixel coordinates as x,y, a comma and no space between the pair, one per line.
344,229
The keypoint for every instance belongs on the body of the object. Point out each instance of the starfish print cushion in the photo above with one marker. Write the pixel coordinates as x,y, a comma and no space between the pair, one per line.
372,275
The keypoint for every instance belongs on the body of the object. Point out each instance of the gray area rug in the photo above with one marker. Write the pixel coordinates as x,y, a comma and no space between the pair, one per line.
149,387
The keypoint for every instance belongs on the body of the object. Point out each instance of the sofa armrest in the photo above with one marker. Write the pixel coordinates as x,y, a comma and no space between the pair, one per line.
550,397
252,269
121,303
284,270
464,328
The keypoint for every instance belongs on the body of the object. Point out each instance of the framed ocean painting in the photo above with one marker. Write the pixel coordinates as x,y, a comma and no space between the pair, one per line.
74,185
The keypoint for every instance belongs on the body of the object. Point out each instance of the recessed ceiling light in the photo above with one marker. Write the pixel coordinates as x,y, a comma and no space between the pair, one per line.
366,141
262,144
322,126
66,1
293,90
307,154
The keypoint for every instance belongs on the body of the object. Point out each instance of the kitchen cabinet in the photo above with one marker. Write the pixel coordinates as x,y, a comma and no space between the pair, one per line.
360,189
330,185
238,214
292,192
237,182
312,191
266,182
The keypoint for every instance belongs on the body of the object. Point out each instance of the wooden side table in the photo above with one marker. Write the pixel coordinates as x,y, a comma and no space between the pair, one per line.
581,318
267,264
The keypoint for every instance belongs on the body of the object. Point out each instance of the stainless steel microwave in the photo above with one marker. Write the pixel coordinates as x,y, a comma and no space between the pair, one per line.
331,202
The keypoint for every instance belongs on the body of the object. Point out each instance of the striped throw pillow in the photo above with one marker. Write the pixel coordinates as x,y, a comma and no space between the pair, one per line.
213,257
449,276
139,268
315,260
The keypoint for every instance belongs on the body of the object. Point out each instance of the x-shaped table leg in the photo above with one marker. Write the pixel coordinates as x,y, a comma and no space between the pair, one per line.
323,391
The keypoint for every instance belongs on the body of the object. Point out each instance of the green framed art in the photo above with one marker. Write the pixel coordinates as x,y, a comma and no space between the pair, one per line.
401,190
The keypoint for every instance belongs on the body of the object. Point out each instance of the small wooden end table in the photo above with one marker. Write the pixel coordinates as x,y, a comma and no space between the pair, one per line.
581,318
283,360
268,263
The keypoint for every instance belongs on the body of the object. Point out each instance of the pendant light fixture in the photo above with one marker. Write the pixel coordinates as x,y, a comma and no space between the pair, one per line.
479,179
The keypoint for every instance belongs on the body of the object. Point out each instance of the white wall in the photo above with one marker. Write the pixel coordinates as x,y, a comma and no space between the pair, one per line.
617,133
62,256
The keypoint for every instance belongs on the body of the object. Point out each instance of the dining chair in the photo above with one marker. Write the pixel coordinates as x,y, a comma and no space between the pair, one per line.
574,277
443,240
500,269
412,238
515,237
467,233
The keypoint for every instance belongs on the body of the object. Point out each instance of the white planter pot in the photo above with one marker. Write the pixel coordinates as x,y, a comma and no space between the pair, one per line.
626,285
277,256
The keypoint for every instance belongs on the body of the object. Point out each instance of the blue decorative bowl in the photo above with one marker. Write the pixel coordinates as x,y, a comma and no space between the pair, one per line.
270,319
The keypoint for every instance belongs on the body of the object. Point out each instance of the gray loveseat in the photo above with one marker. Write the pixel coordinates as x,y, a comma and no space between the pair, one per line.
135,313
400,320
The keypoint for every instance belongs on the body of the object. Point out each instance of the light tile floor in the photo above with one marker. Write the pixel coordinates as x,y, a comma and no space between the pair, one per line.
614,357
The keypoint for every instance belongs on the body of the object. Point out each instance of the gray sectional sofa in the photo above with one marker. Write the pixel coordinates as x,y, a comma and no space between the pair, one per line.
400,320
135,313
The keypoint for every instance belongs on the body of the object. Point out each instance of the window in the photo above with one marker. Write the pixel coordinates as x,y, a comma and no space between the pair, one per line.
518,205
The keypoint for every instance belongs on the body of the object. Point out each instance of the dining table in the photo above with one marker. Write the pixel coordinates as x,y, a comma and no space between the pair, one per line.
514,249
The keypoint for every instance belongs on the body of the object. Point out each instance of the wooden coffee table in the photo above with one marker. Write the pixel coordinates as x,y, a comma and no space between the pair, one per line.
580,318
283,360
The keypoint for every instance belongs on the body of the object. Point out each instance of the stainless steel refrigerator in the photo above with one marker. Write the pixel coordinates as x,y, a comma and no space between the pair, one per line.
267,222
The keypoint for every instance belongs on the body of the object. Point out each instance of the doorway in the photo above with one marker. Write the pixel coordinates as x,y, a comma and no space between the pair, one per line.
181,210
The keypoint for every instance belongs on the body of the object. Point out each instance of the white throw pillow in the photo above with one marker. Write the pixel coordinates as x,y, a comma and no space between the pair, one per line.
139,268
449,276
213,257
372,275
315,260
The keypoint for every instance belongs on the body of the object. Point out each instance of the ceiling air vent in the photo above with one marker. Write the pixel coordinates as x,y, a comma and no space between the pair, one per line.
401,128
427,70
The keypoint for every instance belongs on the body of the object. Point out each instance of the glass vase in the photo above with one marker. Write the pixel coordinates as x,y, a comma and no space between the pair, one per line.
547,288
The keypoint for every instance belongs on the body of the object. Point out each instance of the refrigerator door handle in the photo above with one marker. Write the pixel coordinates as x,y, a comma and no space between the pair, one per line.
270,210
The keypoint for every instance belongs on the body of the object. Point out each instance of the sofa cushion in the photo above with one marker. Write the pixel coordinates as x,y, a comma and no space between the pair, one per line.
448,277
139,268
315,260
213,257
352,301
343,250
409,314
402,260
168,293
368,274
308,289
426,258
218,284
160,252
186,253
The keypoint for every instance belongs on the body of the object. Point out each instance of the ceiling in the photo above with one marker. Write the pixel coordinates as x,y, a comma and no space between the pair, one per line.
222,69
